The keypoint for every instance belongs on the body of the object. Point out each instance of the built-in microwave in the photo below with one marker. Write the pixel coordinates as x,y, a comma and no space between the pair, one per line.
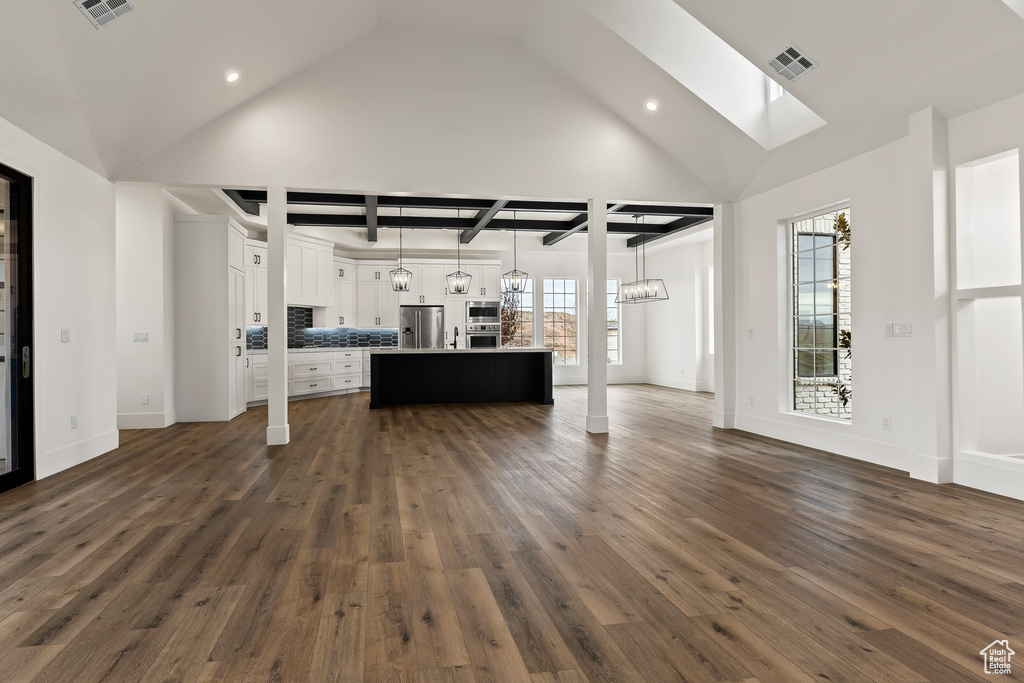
483,312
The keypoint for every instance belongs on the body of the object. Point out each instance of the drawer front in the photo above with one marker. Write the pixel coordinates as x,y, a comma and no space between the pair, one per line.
259,391
348,355
311,369
258,359
310,386
259,372
348,367
347,381
310,357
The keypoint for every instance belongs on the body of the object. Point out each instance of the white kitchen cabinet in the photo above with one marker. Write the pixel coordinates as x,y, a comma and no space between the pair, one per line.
342,310
427,286
376,301
209,318
310,271
485,282
256,295
455,318
255,254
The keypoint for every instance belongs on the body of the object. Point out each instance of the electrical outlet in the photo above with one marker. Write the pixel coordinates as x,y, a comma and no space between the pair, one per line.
74,422
140,336
145,399
751,404
682,373
888,329
65,335
886,423
750,333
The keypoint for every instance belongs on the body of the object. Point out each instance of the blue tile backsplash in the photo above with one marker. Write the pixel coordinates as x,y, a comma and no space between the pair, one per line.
302,335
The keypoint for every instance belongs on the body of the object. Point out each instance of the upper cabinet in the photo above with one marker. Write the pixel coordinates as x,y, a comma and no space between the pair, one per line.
485,279
310,271
342,311
255,283
376,301
255,254
427,286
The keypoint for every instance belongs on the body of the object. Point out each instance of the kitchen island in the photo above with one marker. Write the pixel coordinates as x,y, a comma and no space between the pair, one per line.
403,376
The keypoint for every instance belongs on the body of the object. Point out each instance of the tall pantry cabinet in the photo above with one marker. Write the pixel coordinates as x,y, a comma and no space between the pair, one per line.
209,318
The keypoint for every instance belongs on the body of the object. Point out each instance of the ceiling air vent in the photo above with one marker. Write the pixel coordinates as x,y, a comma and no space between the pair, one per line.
791,63
102,12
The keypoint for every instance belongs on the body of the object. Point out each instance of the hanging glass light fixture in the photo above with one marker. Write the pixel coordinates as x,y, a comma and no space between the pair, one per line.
458,282
642,289
515,279
401,278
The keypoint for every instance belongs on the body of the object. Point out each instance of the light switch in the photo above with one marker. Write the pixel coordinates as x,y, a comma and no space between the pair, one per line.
65,334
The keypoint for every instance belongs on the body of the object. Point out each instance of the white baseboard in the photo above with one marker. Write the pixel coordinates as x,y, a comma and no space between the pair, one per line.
145,420
61,459
993,473
930,468
826,436
680,383
723,420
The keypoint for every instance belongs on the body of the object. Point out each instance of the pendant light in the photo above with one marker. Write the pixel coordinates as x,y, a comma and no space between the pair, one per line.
642,289
515,279
401,278
458,282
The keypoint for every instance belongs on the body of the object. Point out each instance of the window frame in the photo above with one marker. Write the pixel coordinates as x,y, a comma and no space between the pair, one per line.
532,309
611,292
556,358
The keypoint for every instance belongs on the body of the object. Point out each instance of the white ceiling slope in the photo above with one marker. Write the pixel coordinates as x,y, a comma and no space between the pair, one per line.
123,97
428,113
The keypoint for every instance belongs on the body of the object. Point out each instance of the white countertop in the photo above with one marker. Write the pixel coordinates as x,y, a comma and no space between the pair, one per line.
529,349
331,349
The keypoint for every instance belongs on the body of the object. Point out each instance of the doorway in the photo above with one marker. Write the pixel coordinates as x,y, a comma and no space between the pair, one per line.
17,461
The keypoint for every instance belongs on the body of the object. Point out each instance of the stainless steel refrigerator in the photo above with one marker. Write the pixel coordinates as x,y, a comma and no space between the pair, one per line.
421,327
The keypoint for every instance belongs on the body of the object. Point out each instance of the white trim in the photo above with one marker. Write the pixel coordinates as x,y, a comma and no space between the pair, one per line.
278,436
828,439
597,424
993,473
146,420
75,454
684,384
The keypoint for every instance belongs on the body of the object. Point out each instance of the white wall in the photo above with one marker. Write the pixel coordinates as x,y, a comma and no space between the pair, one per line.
678,350
876,186
428,113
73,258
145,303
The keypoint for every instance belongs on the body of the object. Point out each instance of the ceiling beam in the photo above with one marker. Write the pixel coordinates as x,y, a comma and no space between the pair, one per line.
669,210
247,206
573,226
328,220
482,219
371,218
675,226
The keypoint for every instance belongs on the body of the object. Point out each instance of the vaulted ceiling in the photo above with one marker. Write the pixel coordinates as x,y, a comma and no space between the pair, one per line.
115,98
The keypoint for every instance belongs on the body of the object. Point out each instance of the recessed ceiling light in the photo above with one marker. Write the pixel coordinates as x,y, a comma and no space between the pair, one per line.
232,77
651,105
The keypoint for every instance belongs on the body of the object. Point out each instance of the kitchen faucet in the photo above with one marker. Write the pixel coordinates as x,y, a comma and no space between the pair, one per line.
455,344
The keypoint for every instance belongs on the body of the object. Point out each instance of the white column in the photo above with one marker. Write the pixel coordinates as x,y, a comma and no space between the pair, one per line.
277,346
927,185
724,415
597,324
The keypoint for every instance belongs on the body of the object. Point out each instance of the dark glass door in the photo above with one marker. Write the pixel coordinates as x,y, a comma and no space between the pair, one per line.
17,461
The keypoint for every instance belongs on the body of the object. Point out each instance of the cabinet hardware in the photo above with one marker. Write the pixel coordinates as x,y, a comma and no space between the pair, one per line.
238,351
26,364
247,362
312,385
312,369
238,333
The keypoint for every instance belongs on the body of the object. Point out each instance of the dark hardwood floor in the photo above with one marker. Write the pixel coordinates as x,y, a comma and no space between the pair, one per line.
500,543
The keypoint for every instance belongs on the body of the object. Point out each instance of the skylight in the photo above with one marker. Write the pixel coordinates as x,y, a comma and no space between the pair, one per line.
709,67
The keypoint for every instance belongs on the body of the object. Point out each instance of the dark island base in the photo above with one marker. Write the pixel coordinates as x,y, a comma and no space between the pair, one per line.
404,378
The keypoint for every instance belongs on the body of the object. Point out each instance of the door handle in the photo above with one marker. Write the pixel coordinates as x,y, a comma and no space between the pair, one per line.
26,363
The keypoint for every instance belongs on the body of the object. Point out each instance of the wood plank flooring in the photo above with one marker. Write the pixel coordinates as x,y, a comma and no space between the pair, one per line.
500,543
